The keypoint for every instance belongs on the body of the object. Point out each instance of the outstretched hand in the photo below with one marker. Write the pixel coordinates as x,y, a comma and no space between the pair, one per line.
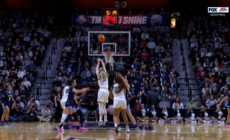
98,60
85,90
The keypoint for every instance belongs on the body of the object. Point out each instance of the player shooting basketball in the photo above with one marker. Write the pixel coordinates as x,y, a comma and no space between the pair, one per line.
103,92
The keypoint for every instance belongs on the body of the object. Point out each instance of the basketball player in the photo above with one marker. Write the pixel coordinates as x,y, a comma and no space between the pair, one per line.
5,106
119,101
77,112
65,94
6,98
70,102
227,97
129,114
103,92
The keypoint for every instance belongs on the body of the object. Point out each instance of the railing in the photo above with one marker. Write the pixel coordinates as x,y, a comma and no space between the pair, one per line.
44,75
187,84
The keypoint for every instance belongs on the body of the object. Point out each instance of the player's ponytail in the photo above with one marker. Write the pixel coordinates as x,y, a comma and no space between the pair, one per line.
105,74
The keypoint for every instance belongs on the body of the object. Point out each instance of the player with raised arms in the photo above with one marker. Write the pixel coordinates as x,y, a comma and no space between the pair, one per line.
70,103
118,94
103,92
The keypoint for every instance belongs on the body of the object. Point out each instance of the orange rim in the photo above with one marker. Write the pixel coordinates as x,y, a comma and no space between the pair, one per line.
108,53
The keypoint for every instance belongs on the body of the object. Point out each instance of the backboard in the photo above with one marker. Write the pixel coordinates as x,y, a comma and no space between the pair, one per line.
117,41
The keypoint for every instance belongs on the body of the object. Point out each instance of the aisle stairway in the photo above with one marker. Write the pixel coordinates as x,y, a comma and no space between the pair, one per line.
187,77
47,73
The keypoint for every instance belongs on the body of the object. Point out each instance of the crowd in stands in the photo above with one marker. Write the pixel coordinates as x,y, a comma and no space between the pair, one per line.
23,41
210,53
149,69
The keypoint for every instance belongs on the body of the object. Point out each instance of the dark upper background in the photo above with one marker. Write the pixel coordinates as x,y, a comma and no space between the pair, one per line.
61,9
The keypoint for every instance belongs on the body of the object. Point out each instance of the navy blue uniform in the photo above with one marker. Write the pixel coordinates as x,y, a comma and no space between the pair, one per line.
228,101
70,100
5,100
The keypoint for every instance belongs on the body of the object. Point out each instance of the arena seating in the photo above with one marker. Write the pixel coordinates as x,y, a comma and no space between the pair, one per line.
209,44
23,41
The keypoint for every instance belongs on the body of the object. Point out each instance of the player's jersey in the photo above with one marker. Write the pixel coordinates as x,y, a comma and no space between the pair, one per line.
103,83
66,93
121,94
70,95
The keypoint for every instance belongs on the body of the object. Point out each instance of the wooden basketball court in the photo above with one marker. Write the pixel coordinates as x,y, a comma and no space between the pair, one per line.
44,131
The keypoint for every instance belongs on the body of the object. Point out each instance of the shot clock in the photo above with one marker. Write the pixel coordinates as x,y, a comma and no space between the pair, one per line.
109,16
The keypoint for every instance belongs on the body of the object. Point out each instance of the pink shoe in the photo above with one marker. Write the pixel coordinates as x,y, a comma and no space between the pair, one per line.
82,129
59,129
72,123
227,125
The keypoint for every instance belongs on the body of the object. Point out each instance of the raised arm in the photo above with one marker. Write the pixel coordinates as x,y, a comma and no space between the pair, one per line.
103,65
127,86
97,69
80,91
223,100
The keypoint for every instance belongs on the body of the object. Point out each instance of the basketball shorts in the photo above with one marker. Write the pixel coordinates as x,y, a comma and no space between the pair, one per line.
228,106
103,95
6,105
69,105
63,104
76,108
119,103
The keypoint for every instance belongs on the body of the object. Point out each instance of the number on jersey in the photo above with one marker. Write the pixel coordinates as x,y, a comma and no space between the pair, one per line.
67,91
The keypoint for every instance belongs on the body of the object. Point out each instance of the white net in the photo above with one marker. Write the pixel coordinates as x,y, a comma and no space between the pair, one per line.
108,56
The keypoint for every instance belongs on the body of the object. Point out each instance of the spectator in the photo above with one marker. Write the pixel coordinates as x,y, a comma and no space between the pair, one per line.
165,115
26,84
176,114
119,64
177,101
218,116
152,114
190,115
191,103
144,55
151,44
31,113
175,86
91,109
132,101
15,113
45,114
33,103
145,35
142,96
159,48
211,102
203,116
142,114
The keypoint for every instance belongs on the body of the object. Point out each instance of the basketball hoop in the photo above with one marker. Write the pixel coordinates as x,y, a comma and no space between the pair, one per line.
108,56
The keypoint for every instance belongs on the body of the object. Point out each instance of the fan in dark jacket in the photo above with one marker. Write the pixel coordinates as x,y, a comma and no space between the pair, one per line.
164,115
203,115
190,115
153,114
176,114
218,116
142,115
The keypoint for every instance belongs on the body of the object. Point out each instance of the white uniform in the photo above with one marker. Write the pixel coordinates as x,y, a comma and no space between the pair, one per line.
65,96
119,99
103,92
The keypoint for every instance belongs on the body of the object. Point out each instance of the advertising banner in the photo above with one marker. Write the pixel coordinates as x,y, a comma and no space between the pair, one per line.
154,19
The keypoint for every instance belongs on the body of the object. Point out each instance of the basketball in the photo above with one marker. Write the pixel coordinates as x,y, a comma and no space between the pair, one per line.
101,38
